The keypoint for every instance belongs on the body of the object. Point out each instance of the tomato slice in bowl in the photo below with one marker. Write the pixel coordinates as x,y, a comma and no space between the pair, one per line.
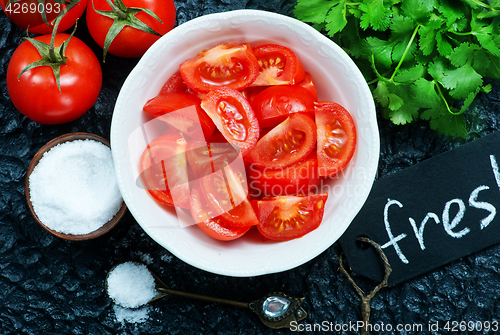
175,83
289,217
308,84
173,108
163,170
226,192
233,116
230,64
285,145
336,137
298,179
278,65
275,103
213,227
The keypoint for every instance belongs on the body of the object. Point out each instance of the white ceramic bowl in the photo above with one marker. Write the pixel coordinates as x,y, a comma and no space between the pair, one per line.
337,79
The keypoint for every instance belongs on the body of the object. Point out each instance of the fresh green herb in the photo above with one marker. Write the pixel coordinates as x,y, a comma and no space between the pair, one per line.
422,58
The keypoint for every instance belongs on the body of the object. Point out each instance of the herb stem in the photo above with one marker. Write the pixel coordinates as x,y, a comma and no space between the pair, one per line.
444,99
479,3
406,51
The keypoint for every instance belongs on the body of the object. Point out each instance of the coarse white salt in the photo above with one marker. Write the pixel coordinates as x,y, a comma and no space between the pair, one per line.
73,188
131,285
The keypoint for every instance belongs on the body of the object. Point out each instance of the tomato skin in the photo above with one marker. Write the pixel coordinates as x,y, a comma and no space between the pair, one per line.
278,65
164,157
67,21
165,103
301,178
308,84
213,227
336,137
36,94
289,217
285,145
232,65
131,42
233,116
276,103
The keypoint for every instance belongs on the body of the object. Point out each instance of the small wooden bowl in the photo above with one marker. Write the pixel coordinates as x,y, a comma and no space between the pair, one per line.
58,140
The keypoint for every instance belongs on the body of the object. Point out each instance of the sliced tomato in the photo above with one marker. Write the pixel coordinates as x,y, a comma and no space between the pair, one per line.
176,84
226,191
213,227
336,137
233,116
285,145
298,179
308,84
206,158
288,217
233,65
278,65
276,103
163,170
251,92
173,108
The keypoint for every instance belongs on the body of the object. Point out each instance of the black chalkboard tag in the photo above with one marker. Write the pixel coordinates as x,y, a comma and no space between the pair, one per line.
429,214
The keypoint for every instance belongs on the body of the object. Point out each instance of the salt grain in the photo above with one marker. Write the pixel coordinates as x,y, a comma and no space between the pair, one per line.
131,285
73,188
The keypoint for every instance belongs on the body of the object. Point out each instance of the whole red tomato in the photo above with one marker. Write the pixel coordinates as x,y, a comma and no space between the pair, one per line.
130,42
27,14
36,95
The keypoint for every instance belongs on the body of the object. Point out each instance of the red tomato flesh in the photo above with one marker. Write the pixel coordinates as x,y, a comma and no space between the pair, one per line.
276,103
308,84
172,107
213,227
163,165
233,116
231,65
278,65
298,179
336,137
285,145
288,217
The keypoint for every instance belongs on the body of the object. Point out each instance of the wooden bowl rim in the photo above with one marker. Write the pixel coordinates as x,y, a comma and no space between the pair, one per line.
69,137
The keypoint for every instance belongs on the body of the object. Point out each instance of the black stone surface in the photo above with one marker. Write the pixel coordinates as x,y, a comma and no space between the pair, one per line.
52,286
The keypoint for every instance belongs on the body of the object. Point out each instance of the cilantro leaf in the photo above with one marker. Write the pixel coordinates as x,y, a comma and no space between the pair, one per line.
450,124
419,10
375,15
314,11
336,18
381,49
461,81
410,75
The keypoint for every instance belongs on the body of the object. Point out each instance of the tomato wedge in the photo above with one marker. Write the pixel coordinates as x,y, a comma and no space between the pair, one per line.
288,217
276,103
298,179
278,65
206,158
232,65
172,108
163,170
308,84
285,145
213,227
336,137
233,116
176,84
226,191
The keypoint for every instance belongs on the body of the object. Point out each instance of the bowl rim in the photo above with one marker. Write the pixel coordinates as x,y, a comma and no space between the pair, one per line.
69,137
132,81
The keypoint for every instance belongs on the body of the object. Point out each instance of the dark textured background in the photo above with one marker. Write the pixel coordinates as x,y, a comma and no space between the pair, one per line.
52,286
